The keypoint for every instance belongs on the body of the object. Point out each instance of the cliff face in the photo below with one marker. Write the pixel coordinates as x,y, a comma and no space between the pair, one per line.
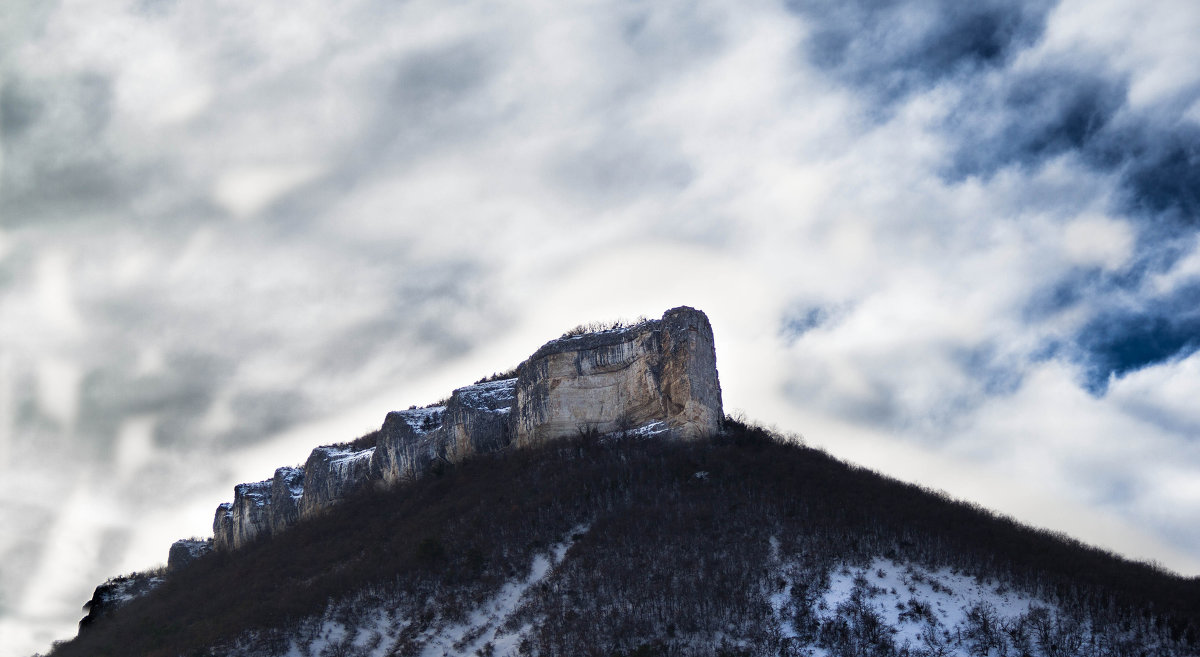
474,420
658,377
332,473
657,371
477,418
409,442
223,527
251,512
187,550
287,487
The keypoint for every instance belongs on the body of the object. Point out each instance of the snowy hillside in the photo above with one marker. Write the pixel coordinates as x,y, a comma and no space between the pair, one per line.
629,545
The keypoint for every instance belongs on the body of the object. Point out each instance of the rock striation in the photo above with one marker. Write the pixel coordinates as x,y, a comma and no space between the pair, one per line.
251,512
287,487
657,378
332,473
409,443
223,527
657,371
474,420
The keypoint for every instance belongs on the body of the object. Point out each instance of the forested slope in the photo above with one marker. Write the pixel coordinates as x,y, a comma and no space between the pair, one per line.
728,545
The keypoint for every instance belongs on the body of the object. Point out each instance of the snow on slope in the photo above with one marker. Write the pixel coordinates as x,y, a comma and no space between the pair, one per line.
922,609
377,633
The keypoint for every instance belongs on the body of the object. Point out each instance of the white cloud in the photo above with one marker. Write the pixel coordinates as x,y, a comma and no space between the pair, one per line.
432,191
1150,42
247,189
1100,241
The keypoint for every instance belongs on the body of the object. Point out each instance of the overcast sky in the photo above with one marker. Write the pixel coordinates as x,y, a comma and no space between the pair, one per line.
952,241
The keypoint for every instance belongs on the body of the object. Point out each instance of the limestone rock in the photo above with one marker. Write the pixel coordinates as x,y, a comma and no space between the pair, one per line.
287,487
409,442
657,378
331,473
475,420
251,512
660,370
186,551
223,527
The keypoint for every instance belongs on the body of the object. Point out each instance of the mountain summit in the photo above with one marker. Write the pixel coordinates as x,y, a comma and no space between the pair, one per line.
596,501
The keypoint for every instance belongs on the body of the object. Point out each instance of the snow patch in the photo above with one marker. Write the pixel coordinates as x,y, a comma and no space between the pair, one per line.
484,626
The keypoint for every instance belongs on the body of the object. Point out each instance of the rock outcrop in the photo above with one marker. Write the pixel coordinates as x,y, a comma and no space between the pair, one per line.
331,473
656,378
186,551
287,487
223,527
251,512
409,442
116,593
474,420
660,370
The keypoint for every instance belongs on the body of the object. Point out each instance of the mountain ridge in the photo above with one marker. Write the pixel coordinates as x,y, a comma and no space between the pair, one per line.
695,535
607,537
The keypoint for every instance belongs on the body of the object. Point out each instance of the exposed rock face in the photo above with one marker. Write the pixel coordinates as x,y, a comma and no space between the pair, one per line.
116,593
660,370
287,487
409,442
223,527
658,378
474,420
186,551
477,418
331,473
251,512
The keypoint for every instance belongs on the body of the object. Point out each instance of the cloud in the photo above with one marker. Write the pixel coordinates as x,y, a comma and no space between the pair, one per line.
890,50
967,229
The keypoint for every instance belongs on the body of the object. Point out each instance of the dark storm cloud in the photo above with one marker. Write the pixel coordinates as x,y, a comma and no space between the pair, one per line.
888,49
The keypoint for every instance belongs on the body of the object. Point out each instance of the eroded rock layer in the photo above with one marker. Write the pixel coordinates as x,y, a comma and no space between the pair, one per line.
251,512
287,487
332,473
660,370
223,527
657,378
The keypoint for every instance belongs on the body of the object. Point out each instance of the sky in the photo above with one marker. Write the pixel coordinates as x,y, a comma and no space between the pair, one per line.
953,242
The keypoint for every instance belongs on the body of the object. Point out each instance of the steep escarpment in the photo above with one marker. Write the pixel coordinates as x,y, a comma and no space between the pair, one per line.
287,487
659,376
332,473
661,370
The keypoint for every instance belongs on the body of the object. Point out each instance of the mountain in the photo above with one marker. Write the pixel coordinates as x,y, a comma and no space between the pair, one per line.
597,502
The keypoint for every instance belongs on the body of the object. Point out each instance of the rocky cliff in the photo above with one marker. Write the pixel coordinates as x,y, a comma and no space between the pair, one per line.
331,473
287,487
658,377
187,550
657,371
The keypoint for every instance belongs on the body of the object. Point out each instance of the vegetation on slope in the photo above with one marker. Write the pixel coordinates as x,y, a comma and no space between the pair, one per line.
674,561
